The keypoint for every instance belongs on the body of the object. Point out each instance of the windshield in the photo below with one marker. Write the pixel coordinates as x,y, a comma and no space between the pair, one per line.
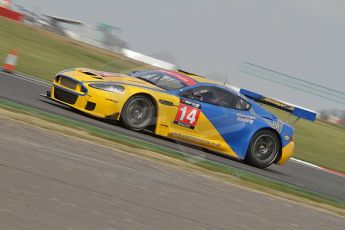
160,79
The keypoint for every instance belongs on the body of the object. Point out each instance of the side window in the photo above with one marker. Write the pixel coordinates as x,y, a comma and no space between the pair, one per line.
216,96
194,93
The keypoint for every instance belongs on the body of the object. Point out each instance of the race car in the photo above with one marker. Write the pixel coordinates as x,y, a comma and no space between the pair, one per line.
184,107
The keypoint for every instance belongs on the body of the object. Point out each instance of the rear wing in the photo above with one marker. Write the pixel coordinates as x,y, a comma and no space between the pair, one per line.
292,109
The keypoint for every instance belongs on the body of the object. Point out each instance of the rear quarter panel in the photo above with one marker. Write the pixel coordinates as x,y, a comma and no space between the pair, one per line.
247,124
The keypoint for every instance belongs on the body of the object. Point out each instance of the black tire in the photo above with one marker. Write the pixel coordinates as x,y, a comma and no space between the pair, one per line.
264,148
138,113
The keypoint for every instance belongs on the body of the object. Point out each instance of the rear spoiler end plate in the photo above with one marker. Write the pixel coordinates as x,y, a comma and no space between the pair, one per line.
292,109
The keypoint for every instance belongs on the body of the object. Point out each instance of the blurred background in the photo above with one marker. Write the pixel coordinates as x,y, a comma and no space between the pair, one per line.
289,50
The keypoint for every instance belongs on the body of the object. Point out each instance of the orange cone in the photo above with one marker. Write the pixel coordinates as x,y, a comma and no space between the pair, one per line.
10,61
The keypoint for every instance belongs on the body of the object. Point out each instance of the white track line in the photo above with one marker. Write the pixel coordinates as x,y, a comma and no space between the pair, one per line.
306,163
28,79
35,82
318,167
32,78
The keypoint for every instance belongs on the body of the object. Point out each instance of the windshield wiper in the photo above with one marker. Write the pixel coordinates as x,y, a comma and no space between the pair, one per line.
146,80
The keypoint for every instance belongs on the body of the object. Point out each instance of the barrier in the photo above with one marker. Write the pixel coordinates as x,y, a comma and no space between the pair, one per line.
10,61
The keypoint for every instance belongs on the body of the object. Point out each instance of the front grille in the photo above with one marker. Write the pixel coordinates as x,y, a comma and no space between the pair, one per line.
65,96
70,83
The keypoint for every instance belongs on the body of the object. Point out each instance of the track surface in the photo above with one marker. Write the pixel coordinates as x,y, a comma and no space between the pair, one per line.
26,91
50,182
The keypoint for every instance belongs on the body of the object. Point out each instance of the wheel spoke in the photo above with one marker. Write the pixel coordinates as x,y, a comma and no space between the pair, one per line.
139,113
264,148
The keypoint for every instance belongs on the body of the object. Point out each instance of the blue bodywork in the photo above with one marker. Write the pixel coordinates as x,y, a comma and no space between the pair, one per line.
237,127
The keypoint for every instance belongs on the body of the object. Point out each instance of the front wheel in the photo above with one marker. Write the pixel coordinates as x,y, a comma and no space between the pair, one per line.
263,149
138,113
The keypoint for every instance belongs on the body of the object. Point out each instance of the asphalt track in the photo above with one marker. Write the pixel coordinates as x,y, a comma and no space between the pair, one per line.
51,182
26,91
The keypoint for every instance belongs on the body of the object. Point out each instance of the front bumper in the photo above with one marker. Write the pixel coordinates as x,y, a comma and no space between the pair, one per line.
98,105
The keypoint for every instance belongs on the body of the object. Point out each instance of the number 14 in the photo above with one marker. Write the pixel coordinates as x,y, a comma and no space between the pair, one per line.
191,116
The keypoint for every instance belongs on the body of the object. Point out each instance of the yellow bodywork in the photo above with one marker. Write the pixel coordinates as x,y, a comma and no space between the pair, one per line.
287,152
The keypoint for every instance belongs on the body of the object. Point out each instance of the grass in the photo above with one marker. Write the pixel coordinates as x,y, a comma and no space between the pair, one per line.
319,143
43,54
168,156
322,144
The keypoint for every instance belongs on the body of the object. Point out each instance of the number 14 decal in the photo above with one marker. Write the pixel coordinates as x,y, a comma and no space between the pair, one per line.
187,116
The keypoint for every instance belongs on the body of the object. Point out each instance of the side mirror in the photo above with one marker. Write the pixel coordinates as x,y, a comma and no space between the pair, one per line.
133,72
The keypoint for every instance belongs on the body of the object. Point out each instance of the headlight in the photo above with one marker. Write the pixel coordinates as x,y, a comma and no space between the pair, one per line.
111,87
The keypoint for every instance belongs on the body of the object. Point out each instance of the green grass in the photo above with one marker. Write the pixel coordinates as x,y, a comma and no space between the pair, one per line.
321,144
318,143
252,180
42,54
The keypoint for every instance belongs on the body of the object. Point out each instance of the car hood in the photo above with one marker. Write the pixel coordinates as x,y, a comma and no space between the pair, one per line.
89,75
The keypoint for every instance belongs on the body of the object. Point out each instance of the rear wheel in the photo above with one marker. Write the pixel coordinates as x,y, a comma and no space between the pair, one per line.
264,149
138,113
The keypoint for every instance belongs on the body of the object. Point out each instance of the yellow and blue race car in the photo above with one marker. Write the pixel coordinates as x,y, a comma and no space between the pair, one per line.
184,107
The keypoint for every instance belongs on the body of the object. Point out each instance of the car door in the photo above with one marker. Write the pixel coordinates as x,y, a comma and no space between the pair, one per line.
215,115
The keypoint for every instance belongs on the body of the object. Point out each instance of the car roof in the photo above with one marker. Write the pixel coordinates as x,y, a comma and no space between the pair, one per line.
189,78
